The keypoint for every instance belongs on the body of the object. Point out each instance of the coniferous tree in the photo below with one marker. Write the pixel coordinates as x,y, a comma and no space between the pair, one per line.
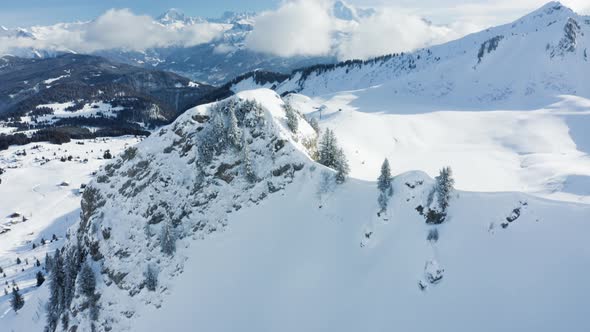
17,301
342,167
248,167
167,239
384,180
55,305
233,132
151,278
48,262
384,185
71,268
444,187
87,280
331,155
40,278
292,119
313,122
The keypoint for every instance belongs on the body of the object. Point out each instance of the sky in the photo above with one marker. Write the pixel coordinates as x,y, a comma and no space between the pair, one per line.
22,13
283,27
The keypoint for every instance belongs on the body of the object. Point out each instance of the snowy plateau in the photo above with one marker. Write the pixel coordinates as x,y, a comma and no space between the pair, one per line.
225,220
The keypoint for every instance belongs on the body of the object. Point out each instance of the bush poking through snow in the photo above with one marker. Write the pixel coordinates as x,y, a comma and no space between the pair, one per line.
432,235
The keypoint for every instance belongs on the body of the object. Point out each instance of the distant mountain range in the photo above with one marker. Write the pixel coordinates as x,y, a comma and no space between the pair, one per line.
215,62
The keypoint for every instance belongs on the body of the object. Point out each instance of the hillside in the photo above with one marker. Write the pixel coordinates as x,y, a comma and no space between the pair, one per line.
310,254
87,91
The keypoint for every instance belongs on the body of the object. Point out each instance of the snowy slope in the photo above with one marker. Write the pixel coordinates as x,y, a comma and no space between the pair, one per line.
289,251
32,187
528,62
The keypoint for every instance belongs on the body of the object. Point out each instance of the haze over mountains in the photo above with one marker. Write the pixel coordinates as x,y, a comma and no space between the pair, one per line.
216,50
259,210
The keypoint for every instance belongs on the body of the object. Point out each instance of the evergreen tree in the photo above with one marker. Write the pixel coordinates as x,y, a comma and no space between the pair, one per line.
327,149
248,167
384,180
167,239
17,301
342,167
151,278
313,122
292,119
71,268
87,280
234,132
48,262
40,278
332,156
55,305
444,187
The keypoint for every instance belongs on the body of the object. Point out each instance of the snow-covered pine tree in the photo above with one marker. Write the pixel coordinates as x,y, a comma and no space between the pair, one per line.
234,134
71,268
313,122
17,301
248,167
332,156
292,119
384,180
55,305
168,239
444,187
151,278
86,280
327,149
342,167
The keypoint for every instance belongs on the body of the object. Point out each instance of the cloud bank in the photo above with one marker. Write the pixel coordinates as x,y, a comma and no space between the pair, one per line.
313,28
115,29
302,27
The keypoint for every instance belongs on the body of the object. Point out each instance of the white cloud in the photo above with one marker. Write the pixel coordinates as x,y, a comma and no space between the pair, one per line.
306,27
301,27
391,32
115,29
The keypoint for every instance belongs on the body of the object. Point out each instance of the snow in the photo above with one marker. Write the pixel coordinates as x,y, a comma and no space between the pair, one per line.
531,151
314,260
286,265
52,80
31,186
88,110
288,253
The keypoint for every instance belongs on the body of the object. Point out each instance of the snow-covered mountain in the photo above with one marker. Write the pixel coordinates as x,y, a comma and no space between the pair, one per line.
536,58
520,88
242,227
223,219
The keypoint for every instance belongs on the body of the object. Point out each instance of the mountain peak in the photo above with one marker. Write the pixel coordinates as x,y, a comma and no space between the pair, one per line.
172,15
551,8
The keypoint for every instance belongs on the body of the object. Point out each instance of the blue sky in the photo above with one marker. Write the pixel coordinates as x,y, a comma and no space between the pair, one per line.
23,13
